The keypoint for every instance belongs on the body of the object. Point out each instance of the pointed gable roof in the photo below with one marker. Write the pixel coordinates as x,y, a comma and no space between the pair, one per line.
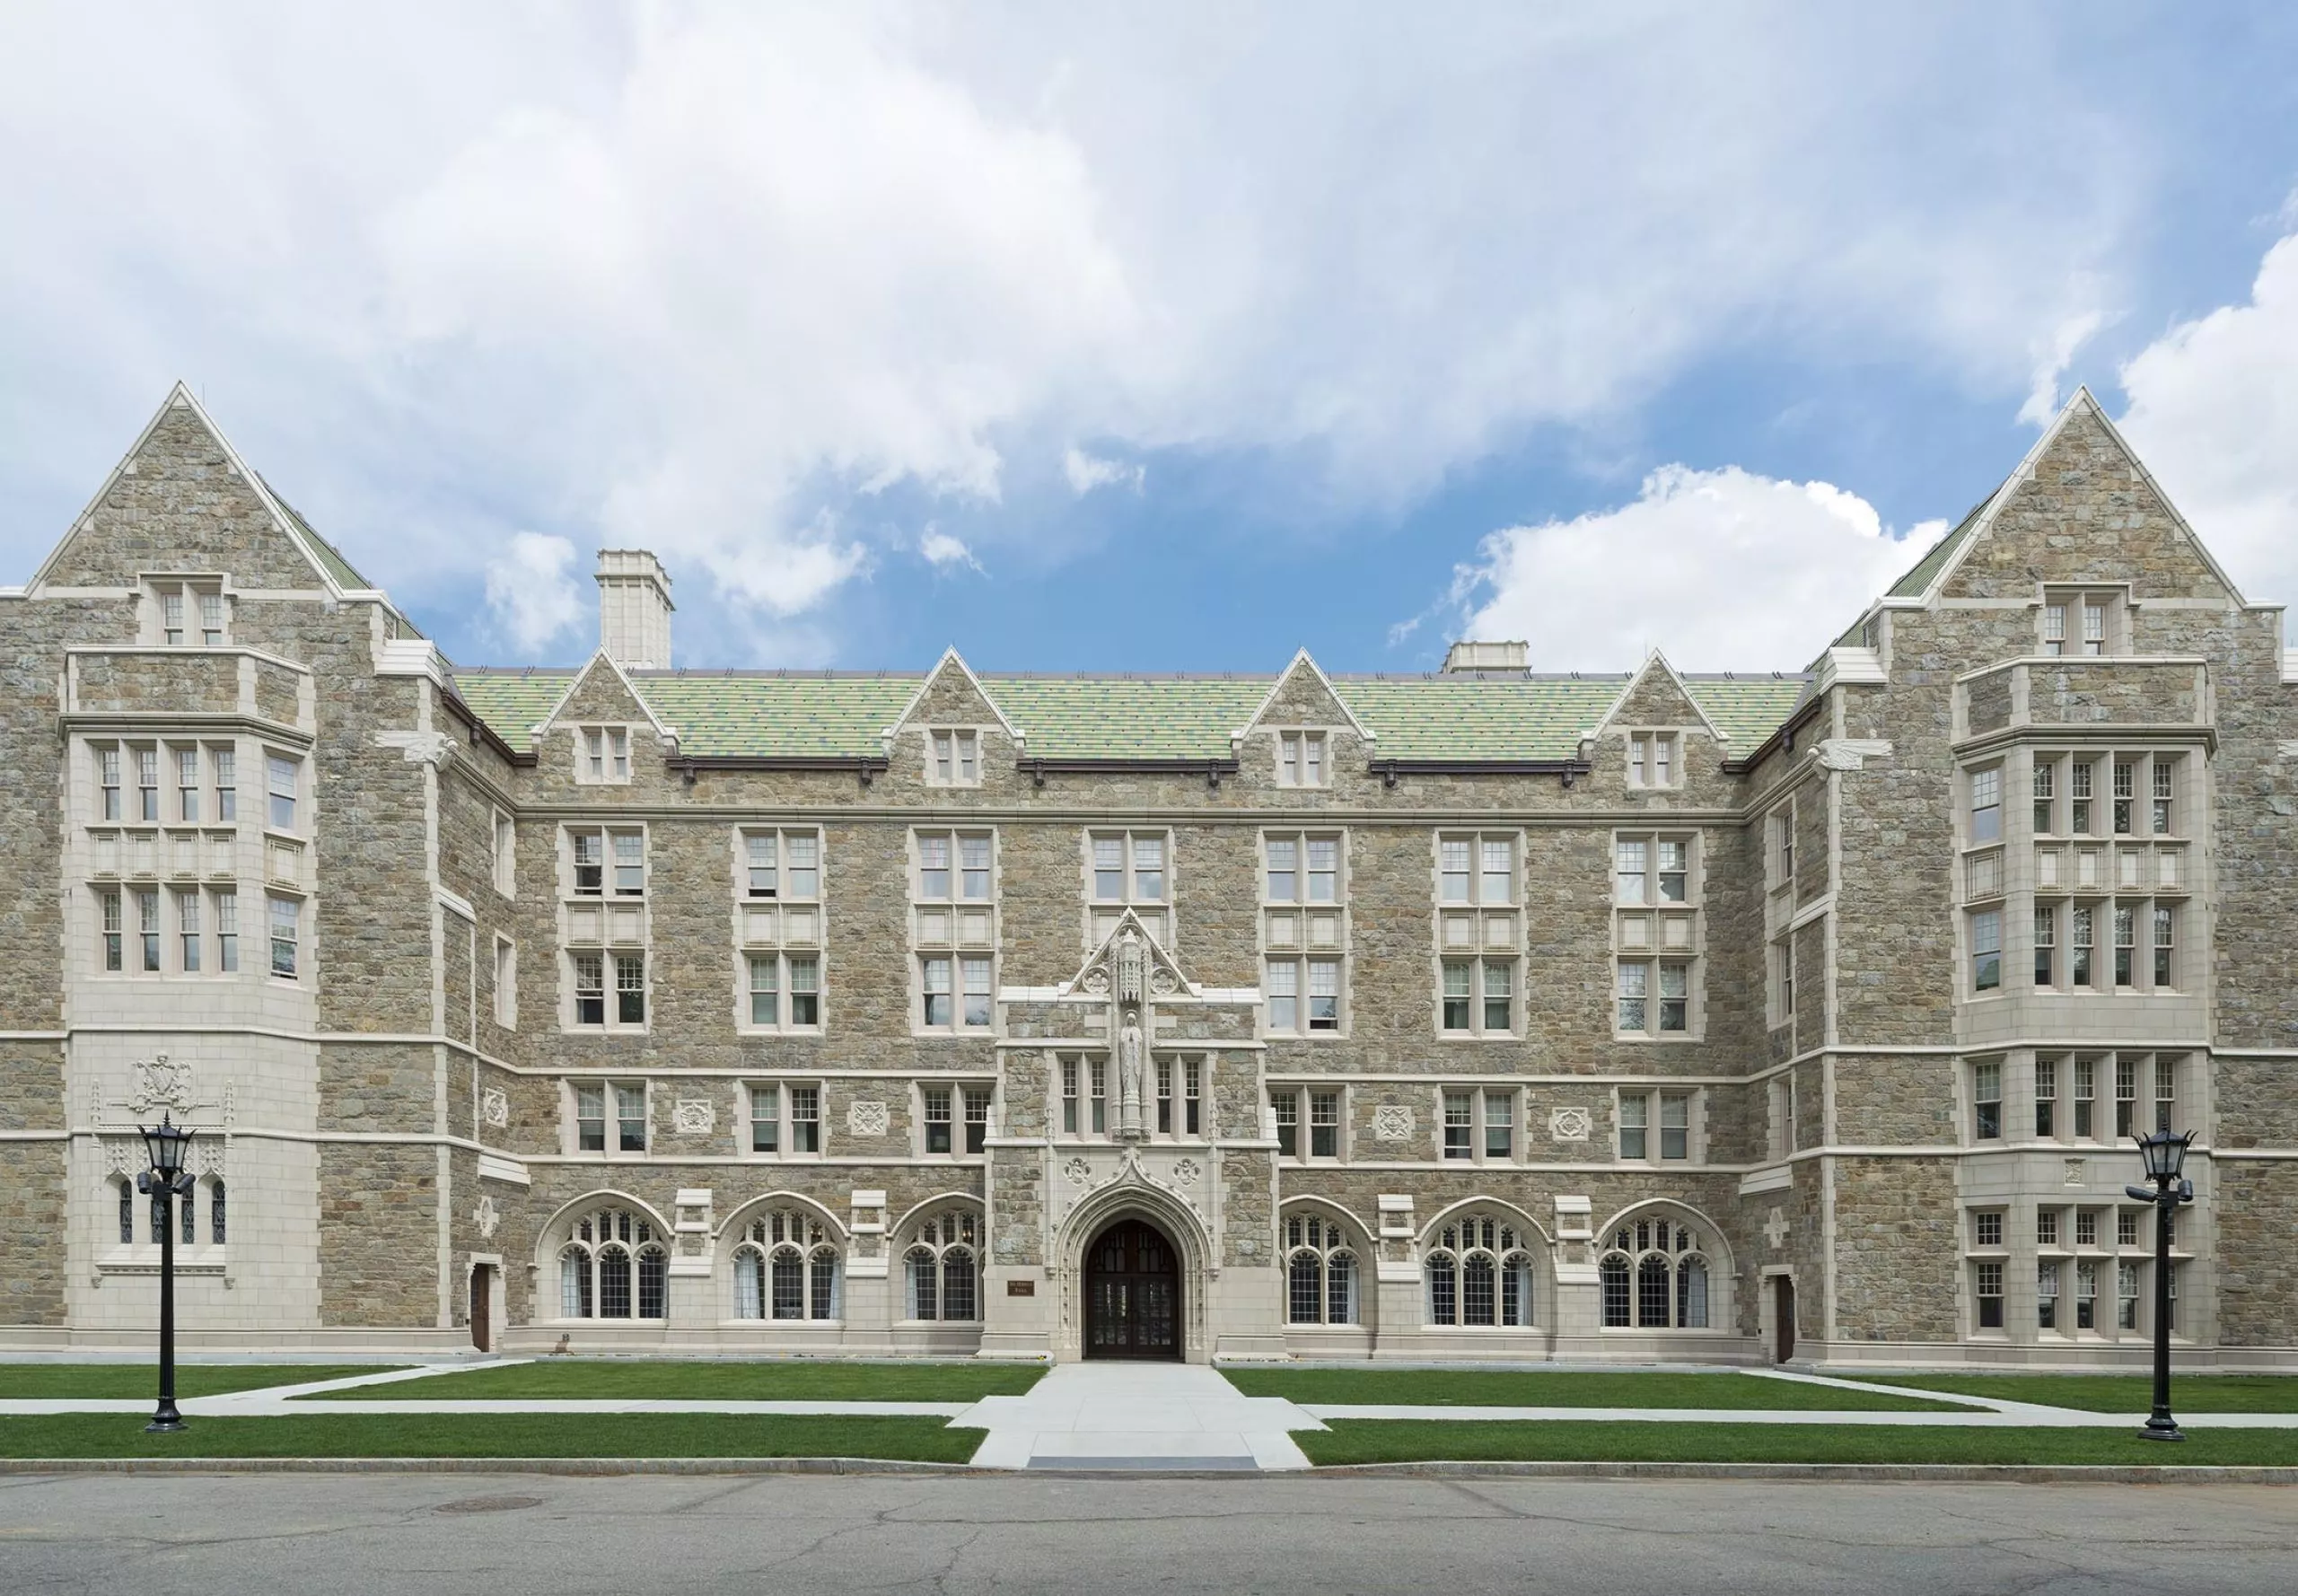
950,660
1156,954
1653,684
601,660
1319,685
335,573
1932,573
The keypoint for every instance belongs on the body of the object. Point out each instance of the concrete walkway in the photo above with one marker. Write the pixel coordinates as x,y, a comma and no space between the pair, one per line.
1137,1415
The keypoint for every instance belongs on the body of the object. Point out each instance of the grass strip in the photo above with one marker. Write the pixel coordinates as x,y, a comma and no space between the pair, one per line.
2118,1393
494,1436
788,1379
143,1379
1548,1387
1429,1440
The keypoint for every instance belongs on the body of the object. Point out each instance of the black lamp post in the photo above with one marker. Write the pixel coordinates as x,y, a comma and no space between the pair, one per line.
164,1181
2166,1155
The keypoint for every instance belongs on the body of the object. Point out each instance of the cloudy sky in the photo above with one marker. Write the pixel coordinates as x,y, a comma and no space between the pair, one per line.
1153,338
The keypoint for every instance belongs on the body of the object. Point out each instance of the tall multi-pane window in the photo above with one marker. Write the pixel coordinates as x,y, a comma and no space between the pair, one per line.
2046,1097
187,932
1656,1125
279,787
604,916
2166,920
108,782
778,910
227,931
1656,935
2046,945
187,783
2044,784
226,772
1128,870
1986,950
1308,1121
953,925
785,1117
1304,934
1986,804
1480,934
286,918
1987,1100
147,783
2126,1097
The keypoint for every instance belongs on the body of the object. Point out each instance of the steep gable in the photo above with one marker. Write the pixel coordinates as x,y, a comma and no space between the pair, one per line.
1305,696
181,499
951,695
601,693
2080,510
1655,697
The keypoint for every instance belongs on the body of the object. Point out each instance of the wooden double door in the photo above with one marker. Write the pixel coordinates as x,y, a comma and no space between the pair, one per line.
1133,1294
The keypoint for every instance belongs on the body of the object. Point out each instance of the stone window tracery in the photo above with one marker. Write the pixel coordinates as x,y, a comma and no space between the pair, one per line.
614,1265
1479,1270
786,1268
942,1267
1654,1277
1320,1272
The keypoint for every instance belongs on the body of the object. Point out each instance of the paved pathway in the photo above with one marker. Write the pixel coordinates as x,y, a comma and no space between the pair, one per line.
1137,1415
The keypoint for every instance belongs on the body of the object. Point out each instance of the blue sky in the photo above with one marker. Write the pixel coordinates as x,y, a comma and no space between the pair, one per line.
1089,341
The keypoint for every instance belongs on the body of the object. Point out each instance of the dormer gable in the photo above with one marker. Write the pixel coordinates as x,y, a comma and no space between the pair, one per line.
950,724
601,724
1304,720
1655,719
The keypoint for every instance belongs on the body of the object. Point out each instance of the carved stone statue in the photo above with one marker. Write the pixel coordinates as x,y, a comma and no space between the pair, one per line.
1130,967
1129,1068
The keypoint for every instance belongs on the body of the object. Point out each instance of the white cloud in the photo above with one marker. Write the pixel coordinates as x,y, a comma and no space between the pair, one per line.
1721,570
944,552
2053,356
2214,407
698,280
531,591
1087,472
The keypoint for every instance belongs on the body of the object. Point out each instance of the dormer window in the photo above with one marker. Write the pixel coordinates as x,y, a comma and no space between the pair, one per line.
1651,759
191,613
957,758
1301,759
2081,623
605,754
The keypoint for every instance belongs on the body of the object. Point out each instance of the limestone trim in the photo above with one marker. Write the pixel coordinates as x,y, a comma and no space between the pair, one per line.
900,1228
552,1233
1129,1197
1364,1235
1435,1221
731,1228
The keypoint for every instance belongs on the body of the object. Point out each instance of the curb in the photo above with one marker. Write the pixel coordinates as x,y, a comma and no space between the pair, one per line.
565,1465
1838,1473
1868,1473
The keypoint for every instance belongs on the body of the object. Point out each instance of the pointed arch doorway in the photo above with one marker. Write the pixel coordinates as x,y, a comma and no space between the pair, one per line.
1133,1293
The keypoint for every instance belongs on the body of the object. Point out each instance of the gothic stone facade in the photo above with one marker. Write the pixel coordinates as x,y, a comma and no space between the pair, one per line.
1469,1015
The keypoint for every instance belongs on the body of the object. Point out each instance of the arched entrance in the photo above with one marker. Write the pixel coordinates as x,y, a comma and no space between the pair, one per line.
1133,1293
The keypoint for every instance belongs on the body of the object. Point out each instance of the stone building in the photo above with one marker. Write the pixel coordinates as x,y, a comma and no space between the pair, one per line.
1476,1015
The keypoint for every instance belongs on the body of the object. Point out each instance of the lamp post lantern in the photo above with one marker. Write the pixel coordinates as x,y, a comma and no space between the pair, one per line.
2166,1155
166,1180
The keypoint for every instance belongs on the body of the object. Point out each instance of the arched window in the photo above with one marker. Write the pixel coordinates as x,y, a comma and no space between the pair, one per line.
614,1265
785,1267
1654,1278
215,1213
1320,1272
127,1211
1479,1270
943,1266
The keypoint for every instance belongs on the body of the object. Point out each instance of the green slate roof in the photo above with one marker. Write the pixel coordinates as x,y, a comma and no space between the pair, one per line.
819,714
1917,581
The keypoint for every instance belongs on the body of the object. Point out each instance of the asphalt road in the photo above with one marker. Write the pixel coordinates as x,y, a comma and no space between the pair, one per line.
507,1535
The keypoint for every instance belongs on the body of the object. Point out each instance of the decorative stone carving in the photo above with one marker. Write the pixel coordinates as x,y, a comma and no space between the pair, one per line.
1097,981
1775,1229
1186,1172
1392,1122
865,1116
160,1082
1164,982
2078,1170
1851,753
1131,968
487,1216
494,1107
1570,1124
1077,1171
1129,1077
698,1116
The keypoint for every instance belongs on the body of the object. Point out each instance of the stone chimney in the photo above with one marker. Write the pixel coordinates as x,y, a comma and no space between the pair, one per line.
1468,658
635,608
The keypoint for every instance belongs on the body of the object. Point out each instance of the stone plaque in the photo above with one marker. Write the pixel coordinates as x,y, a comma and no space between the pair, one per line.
1020,1288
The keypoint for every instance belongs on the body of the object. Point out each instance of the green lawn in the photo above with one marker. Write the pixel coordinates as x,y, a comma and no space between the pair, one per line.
786,1380
1545,1388
2119,1393
1422,1440
494,1436
143,1379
